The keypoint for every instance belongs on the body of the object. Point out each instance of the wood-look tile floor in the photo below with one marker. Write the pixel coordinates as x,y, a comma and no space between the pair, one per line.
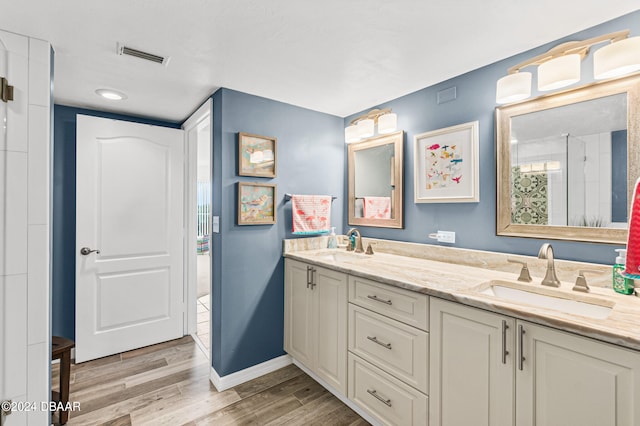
202,328
168,384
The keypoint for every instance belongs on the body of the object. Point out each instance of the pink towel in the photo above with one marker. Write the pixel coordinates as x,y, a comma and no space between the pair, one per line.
311,213
377,207
632,268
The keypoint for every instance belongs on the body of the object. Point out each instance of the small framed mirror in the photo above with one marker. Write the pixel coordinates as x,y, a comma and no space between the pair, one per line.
375,170
567,163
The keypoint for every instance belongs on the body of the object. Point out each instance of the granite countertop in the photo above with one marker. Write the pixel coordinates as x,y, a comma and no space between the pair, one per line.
460,283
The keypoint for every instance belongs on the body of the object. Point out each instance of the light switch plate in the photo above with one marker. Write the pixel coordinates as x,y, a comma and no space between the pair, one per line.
216,224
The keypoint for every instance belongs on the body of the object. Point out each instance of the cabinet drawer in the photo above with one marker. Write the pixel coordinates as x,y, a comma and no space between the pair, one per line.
385,397
407,306
398,349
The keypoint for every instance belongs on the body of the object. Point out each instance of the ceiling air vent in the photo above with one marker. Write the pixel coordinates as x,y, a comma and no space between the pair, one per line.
125,50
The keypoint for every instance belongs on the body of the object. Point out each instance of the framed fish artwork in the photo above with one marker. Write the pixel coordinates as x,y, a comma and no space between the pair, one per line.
256,203
446,165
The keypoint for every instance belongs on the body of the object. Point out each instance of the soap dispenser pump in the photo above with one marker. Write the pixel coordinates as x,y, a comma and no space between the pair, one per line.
332,243
621,284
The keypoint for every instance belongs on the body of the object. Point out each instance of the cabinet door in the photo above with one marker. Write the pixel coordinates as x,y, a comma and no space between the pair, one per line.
570,380
471,366
298,313
330,292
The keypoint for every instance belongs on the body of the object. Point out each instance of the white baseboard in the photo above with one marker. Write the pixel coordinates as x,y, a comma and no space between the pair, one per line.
341,397
242,376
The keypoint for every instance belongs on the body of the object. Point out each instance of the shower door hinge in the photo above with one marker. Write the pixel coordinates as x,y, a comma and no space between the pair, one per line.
6,91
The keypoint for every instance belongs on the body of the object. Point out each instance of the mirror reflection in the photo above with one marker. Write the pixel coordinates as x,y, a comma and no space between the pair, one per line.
375,181
374,185
569,165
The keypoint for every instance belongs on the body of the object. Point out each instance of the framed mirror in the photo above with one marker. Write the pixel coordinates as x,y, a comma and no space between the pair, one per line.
567,163
375,170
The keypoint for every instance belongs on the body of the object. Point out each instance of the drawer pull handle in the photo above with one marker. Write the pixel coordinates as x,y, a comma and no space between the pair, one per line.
375,340
377,299
522,358
374,393
505,352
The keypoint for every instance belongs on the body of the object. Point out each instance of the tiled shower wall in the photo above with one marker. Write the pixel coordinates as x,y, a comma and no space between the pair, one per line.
24,227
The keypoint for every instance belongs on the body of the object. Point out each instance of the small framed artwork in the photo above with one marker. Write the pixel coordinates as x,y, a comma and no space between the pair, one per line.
256,155
446,165
256,203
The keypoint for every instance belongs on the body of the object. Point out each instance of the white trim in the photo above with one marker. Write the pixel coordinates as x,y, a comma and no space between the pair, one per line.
203,115
341,397
242,376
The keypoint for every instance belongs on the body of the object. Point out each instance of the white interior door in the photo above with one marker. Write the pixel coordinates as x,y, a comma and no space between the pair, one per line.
129,207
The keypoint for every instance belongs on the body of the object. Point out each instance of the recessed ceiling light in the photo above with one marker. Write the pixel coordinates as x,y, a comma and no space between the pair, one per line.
112,95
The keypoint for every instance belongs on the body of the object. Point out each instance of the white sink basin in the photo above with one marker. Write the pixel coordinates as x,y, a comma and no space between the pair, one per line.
340,256
549,299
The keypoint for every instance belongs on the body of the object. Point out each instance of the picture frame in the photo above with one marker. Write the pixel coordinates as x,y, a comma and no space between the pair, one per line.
446,167
257,156
257,203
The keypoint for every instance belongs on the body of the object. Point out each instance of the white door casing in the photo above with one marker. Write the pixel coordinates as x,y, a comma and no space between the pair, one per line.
129,189
200,122
4,304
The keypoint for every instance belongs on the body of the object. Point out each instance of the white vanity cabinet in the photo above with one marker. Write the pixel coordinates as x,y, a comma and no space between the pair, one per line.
388,352
575,381
315,315
472,381
489,369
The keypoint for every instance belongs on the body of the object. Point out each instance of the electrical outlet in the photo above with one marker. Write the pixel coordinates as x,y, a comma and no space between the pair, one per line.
446,237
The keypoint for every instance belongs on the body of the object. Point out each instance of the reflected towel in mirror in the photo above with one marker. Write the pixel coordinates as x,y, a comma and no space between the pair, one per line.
377,207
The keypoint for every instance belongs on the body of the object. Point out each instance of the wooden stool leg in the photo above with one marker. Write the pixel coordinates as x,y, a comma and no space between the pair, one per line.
65,374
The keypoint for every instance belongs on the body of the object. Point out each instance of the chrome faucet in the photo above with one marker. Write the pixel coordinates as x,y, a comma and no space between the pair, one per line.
358,248
550,278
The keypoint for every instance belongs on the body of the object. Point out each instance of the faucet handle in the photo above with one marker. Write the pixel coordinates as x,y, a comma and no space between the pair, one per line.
524,272
369,249
581,281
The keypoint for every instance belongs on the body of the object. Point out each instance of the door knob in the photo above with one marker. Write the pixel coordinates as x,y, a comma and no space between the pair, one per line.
86,251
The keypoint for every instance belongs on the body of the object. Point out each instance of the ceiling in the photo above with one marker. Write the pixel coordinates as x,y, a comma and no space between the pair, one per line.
333,56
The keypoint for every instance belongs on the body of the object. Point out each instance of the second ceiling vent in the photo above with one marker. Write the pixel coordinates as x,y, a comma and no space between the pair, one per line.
126,50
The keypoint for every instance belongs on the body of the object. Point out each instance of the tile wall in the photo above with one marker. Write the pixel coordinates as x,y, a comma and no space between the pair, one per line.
24,226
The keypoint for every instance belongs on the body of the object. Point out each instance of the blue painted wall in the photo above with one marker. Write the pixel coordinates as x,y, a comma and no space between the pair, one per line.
248,270
63,291
475,224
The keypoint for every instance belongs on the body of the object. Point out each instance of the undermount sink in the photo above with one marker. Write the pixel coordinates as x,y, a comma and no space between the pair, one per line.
339,256
548,299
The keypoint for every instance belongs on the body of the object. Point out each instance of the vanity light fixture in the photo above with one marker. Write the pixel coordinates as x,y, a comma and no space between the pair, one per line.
112,95
363,126
560,66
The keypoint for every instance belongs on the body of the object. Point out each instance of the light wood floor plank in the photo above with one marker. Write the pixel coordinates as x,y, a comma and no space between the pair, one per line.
268,381
168,384
120,421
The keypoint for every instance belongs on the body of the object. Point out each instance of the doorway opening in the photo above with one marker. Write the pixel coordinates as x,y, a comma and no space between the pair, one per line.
203,248
199,224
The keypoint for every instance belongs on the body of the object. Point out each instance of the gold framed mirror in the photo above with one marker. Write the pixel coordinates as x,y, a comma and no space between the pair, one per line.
375,170
567,163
